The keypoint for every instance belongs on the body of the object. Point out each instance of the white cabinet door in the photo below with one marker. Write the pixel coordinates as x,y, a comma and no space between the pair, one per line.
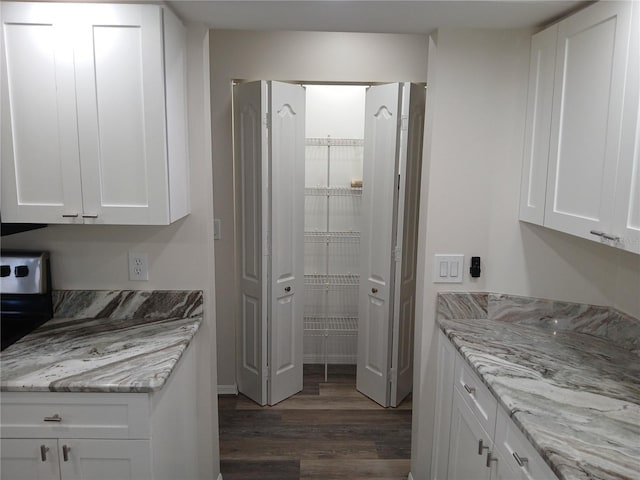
627,213
469,444
586,119
252,188
121,114
410,168
379,203
444,402
104,459
533,185
286,317
29,459
40,160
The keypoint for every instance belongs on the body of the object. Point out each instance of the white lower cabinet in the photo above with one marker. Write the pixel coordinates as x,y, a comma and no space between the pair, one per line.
72,459
474,438
103,436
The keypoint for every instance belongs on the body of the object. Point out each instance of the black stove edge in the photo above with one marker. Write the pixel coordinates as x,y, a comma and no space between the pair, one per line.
13,228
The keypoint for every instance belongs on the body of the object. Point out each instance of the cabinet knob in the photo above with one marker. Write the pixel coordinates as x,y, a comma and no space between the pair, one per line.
43,452
55,418
374,290
65,452
520,460
287,289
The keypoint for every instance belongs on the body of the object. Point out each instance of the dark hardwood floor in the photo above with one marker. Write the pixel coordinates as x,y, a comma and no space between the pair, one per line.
327,431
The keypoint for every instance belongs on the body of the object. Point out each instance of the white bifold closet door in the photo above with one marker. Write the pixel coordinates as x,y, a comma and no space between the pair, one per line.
390,197
269,152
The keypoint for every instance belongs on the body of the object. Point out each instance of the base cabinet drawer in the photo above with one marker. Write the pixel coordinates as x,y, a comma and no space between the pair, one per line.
476,395
74,415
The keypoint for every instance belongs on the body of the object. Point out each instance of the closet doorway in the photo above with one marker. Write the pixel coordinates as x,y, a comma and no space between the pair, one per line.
327,187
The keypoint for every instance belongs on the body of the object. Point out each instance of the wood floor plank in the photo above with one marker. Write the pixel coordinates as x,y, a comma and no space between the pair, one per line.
354,469
286,449
327,431
260,469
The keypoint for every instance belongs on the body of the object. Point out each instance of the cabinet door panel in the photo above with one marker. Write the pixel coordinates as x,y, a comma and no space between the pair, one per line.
627,217
104,459
41,175
533,186
586,119
24,459
465,461
121,115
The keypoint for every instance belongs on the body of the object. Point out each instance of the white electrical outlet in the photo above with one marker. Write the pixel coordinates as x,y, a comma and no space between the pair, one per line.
138,266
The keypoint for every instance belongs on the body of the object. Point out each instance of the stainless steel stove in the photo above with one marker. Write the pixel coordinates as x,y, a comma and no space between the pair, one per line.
25,293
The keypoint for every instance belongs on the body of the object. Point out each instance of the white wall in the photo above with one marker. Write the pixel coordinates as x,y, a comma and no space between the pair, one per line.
475,124
301,56
335,110
180,255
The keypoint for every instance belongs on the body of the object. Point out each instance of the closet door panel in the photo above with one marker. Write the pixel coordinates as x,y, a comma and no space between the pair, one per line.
379,202
412,134
251,181
286,323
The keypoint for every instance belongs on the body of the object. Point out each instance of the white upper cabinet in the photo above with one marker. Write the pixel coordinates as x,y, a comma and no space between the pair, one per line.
93,114
626,224
578,93
538,127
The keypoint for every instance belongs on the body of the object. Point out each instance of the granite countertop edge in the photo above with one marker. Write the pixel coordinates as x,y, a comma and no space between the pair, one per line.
476,365
153,380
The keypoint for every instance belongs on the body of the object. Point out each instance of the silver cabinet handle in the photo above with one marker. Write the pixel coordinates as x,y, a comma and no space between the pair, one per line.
89,215
55,418
520,460
611,237
490,458
597,233
470,390
69,215
43,452
481,447
65,452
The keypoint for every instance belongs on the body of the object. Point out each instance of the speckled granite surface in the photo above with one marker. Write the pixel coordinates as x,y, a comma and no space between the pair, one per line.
104,341
572,386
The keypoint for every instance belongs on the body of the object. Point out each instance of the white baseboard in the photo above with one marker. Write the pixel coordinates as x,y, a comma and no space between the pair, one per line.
227,390
410,477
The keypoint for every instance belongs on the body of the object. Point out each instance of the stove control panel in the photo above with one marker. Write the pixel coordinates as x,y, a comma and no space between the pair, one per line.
24,272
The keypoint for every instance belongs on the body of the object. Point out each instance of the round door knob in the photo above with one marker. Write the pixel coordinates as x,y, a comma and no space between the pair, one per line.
287,289
374,290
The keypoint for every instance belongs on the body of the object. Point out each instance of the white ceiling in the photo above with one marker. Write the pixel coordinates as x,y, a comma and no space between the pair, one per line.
371,16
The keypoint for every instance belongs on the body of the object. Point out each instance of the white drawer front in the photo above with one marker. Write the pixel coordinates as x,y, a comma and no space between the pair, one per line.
478,397
74,415
516,450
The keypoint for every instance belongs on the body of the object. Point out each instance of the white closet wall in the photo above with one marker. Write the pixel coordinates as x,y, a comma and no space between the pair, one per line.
333,159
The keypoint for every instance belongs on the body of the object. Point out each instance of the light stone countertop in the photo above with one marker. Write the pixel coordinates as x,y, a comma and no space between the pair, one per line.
575,396
134,352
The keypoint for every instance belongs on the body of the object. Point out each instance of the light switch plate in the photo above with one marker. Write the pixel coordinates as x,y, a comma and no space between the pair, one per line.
448,268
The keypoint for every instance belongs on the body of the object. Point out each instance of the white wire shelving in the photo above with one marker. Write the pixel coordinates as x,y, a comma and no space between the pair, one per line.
332,237
332,191
331,280
334,142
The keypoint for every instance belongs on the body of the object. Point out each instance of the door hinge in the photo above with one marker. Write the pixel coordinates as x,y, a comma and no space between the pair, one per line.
267,120
404,122
265,373
397,253
393,375
267,245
